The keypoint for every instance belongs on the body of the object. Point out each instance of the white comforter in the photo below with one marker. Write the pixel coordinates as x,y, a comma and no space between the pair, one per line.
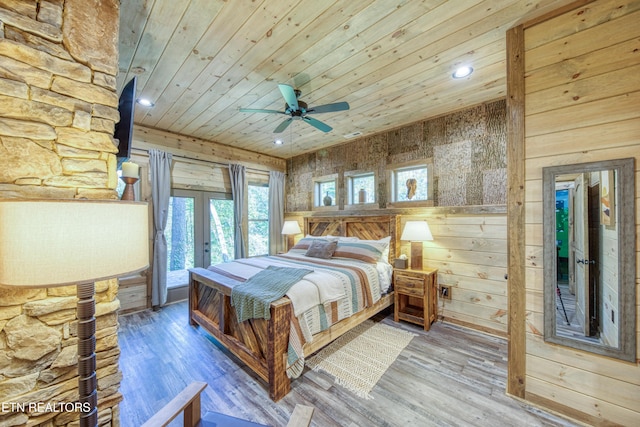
323,286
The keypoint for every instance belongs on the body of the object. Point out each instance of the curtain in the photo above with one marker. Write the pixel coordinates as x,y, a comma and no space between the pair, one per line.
238,176
160,167
276,211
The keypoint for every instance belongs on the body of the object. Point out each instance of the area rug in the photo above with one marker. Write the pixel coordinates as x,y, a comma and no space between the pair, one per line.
360,357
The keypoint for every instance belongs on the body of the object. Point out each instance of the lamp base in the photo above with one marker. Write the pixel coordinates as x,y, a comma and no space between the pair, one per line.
129,193
416,255
290,242
87,380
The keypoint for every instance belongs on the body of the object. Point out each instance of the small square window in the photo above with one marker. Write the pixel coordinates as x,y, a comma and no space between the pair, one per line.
325,191
361,188
411,184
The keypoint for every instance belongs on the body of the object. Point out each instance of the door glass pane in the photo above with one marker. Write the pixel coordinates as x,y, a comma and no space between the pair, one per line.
258,220
179,233
222,230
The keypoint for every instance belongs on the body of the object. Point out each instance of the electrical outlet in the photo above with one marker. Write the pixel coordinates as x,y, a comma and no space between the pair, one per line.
445,292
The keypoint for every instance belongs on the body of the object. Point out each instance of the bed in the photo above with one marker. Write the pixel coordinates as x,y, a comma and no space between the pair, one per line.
264,344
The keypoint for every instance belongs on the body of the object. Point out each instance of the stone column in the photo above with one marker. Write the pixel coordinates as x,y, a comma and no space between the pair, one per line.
58,108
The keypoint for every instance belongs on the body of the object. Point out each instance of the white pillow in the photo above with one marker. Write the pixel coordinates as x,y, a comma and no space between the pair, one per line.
385,241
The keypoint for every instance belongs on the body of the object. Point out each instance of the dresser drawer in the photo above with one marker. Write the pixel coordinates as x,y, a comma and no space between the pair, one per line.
409,285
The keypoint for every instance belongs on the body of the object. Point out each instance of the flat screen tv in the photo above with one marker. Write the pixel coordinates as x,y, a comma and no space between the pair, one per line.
124,128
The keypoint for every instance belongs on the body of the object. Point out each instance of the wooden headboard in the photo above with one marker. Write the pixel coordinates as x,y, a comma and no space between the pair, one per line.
362,227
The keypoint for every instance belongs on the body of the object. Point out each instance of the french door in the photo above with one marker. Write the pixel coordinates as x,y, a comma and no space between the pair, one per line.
199,232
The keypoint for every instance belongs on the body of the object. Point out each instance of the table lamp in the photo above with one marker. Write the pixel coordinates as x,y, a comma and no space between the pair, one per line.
416,232
290,228
49,243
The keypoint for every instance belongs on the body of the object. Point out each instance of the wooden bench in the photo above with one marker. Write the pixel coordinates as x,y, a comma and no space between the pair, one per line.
188,402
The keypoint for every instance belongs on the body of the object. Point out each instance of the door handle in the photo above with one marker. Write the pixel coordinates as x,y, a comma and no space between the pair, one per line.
585,261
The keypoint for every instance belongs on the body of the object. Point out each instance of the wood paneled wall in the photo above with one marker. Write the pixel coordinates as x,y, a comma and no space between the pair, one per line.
470,252
582,103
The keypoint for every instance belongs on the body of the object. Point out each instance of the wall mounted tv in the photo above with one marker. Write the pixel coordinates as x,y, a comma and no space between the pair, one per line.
124,128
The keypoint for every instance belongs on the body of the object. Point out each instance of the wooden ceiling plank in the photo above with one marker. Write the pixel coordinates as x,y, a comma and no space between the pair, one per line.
362,24
257,82
158,30
386,43
256,27
409,81
448,36
220,32
391,61
383,119
376,10
194,23
460,33
401,76
259,68
133,20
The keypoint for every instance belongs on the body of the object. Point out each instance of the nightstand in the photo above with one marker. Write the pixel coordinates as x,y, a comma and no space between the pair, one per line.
415,296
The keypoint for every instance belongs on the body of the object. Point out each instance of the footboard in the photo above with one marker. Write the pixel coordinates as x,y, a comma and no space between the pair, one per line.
261,344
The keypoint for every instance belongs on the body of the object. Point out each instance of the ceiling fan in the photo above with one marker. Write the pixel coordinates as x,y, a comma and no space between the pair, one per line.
299,110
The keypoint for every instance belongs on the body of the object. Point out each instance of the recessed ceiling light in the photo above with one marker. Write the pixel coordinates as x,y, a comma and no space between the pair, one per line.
145,102
278,141
462,72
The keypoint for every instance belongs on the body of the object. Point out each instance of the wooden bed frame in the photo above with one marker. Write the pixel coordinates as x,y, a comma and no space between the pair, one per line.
262,344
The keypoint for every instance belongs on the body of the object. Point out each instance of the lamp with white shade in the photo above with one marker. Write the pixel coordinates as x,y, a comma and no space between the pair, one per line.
290,228
50,243
416,232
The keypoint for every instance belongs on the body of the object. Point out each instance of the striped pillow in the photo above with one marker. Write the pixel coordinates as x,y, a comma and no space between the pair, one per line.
370,252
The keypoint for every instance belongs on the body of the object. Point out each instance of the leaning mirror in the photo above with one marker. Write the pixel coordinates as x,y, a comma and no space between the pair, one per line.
590,257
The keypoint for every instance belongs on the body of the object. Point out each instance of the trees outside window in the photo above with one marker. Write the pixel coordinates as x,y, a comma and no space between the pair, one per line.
258,218
199,232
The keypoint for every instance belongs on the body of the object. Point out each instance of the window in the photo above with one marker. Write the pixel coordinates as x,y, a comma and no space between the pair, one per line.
199,232
411,183
361,187
325,191
258,217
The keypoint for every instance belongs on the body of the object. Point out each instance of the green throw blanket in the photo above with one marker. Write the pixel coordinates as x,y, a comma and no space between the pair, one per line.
252,299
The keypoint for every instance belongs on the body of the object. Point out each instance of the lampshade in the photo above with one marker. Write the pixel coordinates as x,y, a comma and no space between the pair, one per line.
291,227
416,231
45,243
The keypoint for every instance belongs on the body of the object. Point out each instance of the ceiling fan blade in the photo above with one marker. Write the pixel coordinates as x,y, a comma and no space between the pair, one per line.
328,108
282,126
318,124
289,96
254,110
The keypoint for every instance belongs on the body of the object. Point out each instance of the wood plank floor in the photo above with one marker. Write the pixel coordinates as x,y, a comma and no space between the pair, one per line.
449,376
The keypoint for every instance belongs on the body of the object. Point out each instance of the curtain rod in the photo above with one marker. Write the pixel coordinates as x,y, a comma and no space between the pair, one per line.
208,162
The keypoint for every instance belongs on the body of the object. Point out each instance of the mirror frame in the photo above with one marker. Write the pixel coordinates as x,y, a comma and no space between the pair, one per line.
626,223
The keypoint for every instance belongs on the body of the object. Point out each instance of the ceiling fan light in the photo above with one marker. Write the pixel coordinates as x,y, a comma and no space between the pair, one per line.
145,102
462,72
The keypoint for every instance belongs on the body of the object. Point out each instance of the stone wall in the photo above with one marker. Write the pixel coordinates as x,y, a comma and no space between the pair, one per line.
468,149
58,108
